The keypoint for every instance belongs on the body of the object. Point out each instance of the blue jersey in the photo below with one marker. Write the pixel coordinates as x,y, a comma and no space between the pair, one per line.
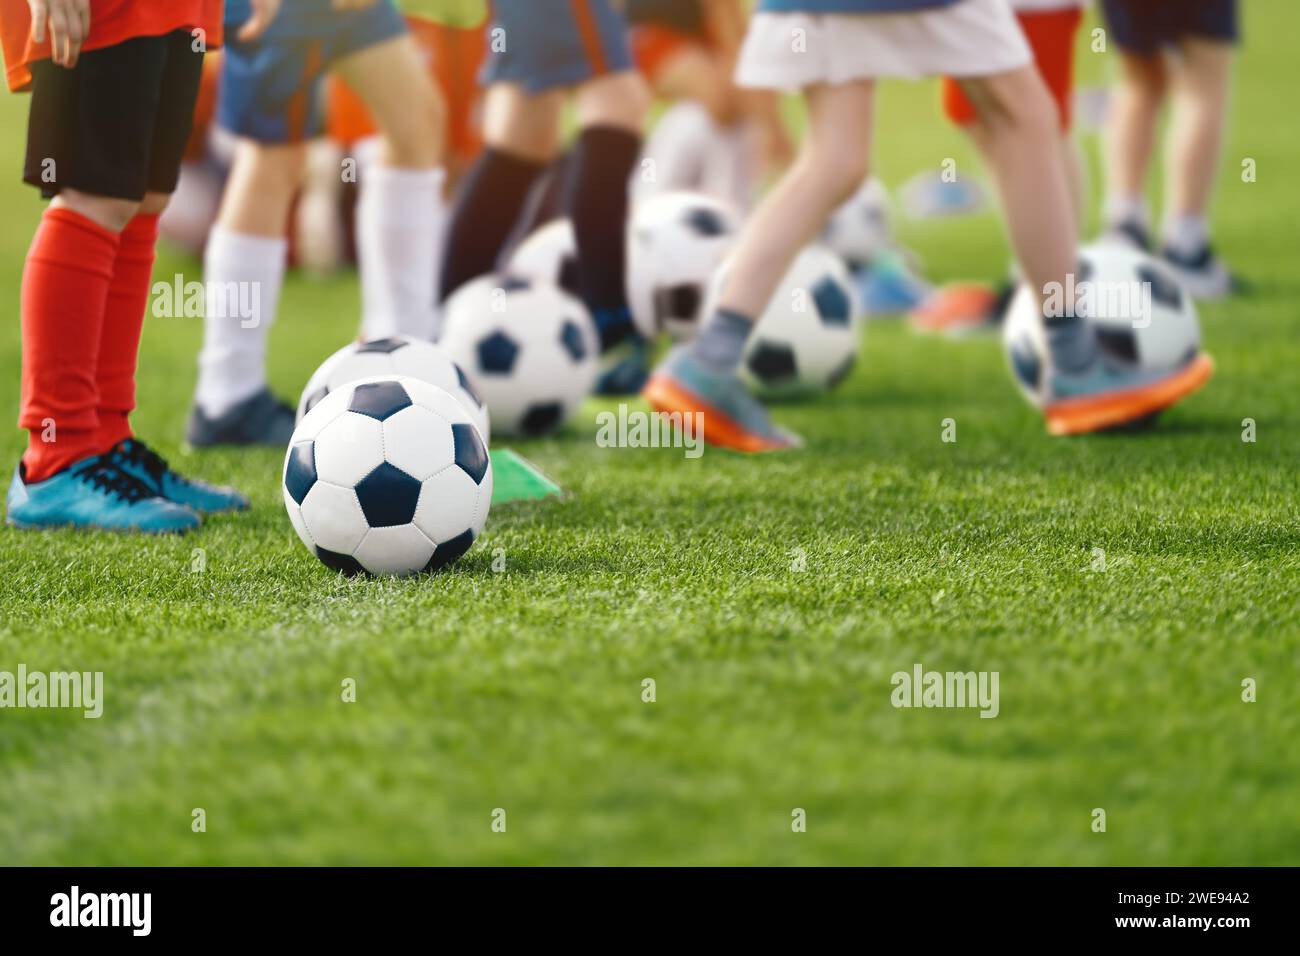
851,6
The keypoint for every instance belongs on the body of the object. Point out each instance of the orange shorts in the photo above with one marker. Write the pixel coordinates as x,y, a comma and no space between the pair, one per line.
453,56
654,45
1051,35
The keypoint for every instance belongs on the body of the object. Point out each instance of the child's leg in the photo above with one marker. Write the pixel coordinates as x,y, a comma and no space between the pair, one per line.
522,133
246,251
611,111
831,165
1199,88
65,289
128,297
401,214
1131,137
1021,138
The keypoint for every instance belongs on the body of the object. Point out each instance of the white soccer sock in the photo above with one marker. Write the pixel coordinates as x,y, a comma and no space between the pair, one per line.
401,221
242,275
1186,234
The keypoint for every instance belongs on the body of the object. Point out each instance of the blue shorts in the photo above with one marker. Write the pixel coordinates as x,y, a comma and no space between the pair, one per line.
1145,27
270,89
571,41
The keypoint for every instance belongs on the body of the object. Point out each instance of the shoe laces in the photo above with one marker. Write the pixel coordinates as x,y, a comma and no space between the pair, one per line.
136,452
107,475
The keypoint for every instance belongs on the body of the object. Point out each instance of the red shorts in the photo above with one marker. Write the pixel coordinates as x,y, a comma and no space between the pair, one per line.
453,55
1051,35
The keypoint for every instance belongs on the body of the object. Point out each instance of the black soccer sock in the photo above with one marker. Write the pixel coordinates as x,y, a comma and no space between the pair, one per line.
546,199
486,209
597,201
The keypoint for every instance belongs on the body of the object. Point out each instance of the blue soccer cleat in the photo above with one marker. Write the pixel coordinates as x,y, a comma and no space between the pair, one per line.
624,368
94,493
732,418
1112,394
143,463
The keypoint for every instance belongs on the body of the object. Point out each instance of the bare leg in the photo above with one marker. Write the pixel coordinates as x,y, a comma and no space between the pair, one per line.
260,189
1131,136
1200,108
523,124
831,165
1022,144
401,215
393,83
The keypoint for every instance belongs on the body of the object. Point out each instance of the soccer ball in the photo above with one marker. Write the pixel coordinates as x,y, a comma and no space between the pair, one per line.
807,339
551,254
395,356
529,348
389,476
862,227
677,242
1113,281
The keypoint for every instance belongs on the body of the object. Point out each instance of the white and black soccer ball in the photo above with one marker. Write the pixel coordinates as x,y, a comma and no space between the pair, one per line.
807,339
529,348
1141,314
863,226
677,242
395,356
388,476
550,253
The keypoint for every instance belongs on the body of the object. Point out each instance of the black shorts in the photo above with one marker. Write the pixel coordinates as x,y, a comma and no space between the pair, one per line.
116,124
1146,27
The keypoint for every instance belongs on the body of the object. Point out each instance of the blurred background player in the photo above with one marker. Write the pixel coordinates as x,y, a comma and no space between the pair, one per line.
1051,27
113,91
1179,50
716,138
834,50
270,97
541,53
451,35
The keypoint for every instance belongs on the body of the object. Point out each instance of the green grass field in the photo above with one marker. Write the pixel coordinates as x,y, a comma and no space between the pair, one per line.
521,689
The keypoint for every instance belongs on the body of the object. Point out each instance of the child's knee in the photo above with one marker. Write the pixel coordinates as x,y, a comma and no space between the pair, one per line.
278,166
155,204
1145,77
416,141
621,99
111,213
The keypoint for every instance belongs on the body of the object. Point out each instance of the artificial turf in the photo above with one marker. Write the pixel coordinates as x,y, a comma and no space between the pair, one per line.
770,599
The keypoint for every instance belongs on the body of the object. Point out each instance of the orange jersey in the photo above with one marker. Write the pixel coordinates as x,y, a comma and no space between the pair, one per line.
111,22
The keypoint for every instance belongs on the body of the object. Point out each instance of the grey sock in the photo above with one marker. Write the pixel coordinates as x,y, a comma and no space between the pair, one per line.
721,341
1071,343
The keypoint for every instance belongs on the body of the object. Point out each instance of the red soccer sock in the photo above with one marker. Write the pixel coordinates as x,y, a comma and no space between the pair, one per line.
65,291
128,297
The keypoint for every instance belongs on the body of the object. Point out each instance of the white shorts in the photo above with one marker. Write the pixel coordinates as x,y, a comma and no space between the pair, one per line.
790,51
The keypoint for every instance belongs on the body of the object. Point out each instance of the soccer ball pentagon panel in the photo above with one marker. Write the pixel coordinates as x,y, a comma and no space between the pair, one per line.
677,242
394,356
387,476
1141,315
807,339
529,348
